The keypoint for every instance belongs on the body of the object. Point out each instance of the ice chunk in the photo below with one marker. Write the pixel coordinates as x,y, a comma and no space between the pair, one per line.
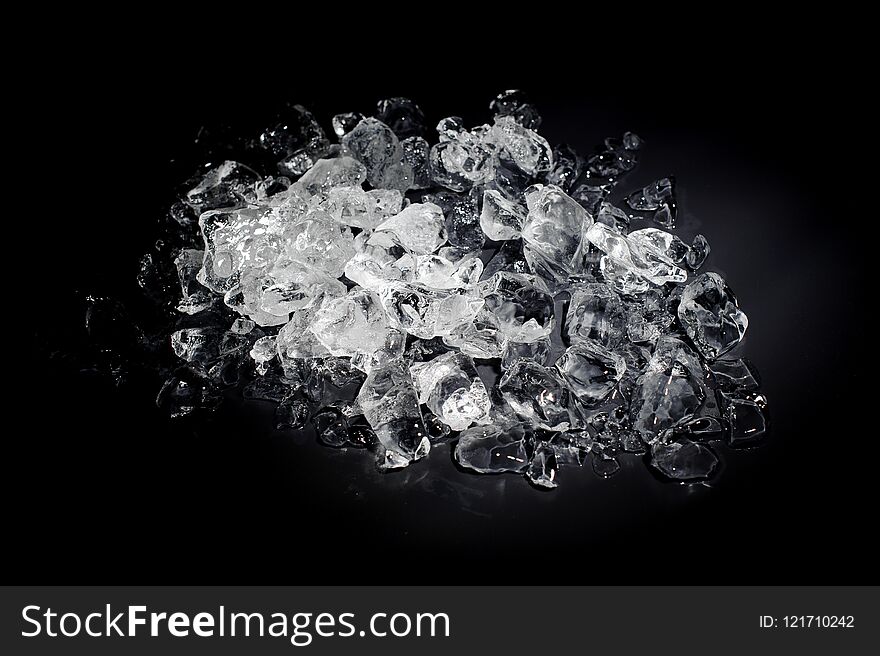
461,159
331,379
632,266
539,396
387,202
537,351
671,389
196,345
492,449
500,218
698,252
657,197
526,148
376,261
420,228
325,174
225,185
649,317
269,388
290,286
375,145
302,160
711,316
352,206
592,196
296,342
735,375
390,403
590,370
195,297
570,448
480,338
671,355
246,301
632,141
293,410
390,350
683,460
399,175
451,311
615,159
331,426
612,216
232,239
652,196
427,313
263,353
437,272
159,281
663,244
351,325
640,330
187,392
462,213
554,229
320,243
451,388
746,419
595,312
242,326
522,306
543,467
605,465
508,180
268,187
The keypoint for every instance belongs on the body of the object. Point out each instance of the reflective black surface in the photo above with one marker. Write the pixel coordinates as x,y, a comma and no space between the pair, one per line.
109,484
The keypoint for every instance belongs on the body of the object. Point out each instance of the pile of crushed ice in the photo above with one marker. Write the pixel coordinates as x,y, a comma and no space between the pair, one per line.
483,289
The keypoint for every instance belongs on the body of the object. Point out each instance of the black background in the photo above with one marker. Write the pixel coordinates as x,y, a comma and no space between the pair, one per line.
103,488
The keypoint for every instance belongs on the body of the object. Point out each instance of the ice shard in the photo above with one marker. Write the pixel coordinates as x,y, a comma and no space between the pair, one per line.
590,370
683,460
554,230
670,390
390,403
539,396
543,468
450,386
352,325
522,306
376,146
492,449
595,312
632,266
711,316
462,158
420,228
528,150
657,197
